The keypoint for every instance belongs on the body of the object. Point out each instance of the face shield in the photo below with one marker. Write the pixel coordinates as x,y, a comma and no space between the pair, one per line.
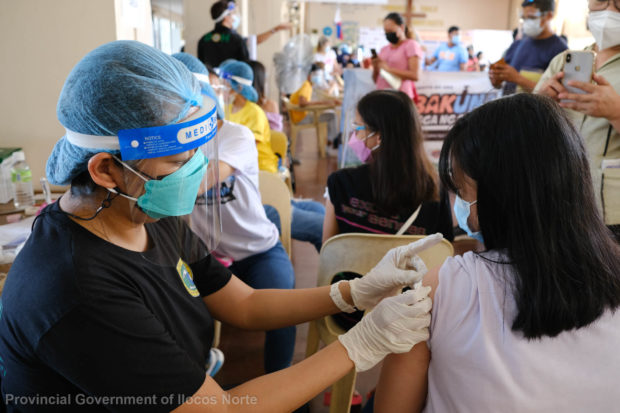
223,93
167,173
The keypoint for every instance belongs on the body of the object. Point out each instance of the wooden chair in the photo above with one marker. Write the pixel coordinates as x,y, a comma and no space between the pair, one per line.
274,192
320,127
357,253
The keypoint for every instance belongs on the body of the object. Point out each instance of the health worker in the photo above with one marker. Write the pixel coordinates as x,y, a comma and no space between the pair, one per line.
110,303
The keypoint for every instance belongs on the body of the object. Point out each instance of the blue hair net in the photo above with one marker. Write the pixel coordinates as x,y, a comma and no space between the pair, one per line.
242,70
196,66
119,85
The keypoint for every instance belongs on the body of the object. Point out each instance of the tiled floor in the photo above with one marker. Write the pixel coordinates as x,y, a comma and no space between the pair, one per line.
244,350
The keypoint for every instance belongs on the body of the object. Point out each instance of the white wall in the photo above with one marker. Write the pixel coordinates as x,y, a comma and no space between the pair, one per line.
41,41
261,15
440,14
196,22
133,20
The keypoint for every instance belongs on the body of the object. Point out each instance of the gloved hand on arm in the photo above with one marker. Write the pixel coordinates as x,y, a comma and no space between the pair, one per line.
400,267
395,325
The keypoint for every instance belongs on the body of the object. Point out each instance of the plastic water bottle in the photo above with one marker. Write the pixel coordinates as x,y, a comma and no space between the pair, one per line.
21,177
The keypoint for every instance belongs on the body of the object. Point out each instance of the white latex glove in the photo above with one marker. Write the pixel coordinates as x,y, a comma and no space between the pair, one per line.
399,268
394,326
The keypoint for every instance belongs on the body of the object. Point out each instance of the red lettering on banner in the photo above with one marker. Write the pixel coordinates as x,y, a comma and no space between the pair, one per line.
433,104
446,104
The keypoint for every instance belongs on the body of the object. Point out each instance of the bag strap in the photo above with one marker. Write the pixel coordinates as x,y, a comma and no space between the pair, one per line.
409,221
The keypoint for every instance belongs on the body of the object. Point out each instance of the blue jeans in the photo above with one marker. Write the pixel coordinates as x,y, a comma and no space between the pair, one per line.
306,223
271,269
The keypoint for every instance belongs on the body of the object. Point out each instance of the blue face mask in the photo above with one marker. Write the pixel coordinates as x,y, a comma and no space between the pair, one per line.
175,194
461,210
456,39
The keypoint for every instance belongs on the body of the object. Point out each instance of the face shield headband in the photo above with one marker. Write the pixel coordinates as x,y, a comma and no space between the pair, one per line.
229,10
157,141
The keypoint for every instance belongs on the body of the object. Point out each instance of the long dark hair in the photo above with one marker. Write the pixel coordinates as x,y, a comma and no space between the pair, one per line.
401,174
398,19
536,203
259,78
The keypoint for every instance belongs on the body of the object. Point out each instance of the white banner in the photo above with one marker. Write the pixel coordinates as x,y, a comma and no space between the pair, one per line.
443,97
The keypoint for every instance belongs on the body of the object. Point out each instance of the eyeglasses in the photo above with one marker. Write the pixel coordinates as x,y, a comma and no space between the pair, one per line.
534,16
598,5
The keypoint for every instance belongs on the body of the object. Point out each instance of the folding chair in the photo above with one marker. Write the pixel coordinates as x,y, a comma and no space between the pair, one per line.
359,253
274,192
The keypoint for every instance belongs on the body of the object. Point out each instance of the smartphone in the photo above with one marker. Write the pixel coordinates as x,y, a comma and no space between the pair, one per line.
373,52
578,65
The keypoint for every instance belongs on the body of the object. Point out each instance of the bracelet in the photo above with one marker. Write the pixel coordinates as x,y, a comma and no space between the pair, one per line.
336,296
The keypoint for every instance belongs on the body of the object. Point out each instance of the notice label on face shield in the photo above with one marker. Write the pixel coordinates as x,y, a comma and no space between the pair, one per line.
169,139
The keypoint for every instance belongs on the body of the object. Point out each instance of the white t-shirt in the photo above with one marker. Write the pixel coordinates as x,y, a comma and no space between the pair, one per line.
246,230
329,59
479,364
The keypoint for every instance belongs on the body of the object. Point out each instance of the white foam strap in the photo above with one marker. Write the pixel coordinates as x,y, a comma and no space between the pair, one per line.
92,141
241,80
86,141
202,77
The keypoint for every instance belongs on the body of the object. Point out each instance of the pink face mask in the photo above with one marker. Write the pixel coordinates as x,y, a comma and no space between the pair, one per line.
358,146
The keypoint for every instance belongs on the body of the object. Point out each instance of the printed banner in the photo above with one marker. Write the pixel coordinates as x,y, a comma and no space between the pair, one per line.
443,97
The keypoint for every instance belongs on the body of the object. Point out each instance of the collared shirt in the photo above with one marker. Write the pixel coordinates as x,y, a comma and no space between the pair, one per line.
602,141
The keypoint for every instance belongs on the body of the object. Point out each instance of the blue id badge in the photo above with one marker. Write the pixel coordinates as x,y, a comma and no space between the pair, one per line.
169,139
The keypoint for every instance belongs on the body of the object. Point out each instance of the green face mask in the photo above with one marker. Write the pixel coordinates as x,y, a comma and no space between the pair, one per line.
173,195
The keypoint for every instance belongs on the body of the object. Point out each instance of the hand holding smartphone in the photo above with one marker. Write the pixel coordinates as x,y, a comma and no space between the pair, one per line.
579,66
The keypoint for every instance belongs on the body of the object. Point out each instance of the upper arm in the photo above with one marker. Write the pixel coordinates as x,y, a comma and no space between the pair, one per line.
271,106
225,170
330,224
414,64
403,383
229,303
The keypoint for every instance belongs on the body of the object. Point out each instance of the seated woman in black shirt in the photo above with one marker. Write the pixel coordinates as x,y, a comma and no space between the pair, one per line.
396,180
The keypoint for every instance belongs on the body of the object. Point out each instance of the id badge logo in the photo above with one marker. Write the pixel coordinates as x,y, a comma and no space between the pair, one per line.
187,277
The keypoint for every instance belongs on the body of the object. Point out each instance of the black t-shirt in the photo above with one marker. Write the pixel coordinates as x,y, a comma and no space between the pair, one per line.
351,194
86,325
220,44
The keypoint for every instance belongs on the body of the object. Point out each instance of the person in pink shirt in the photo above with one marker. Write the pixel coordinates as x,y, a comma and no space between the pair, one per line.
401,58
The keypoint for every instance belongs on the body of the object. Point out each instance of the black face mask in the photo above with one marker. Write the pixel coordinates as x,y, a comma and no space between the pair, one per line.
392,37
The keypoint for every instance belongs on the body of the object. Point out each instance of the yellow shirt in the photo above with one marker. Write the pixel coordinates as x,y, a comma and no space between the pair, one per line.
252,117
306,91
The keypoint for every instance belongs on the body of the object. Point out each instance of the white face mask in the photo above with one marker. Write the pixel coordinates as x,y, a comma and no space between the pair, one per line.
236,20
531,28
605,27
